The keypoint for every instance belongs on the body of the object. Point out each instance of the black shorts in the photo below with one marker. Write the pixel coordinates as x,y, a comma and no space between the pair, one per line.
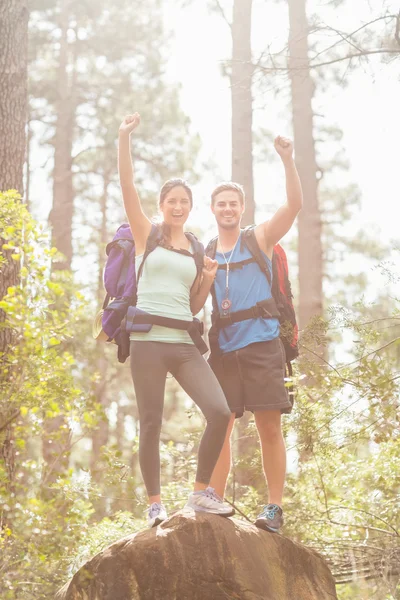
253,377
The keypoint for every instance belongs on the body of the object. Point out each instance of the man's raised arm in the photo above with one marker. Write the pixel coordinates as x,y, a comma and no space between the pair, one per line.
273,230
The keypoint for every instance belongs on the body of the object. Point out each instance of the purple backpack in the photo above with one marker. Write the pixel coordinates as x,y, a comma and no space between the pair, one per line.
120,284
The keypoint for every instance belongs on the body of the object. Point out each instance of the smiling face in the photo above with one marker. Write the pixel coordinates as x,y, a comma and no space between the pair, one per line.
228,208
175,205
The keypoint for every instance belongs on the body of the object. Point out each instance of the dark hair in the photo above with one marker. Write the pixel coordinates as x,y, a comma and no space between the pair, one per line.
228,185
170,184
167,187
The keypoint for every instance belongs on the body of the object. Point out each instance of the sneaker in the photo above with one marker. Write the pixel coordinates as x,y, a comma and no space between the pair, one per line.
157,514
209,501
270,518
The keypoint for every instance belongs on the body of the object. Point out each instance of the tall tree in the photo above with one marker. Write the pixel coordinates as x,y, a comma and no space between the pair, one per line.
65,105
242,104
13,111
56,435
13,96
309,220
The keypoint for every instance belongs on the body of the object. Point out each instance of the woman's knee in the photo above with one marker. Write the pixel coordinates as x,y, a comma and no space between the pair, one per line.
150,428
221,415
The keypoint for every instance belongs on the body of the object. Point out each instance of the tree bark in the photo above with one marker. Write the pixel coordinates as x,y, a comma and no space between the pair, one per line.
13,112
13,92
242,104
309,220
56,435
101,433
242,145
62,211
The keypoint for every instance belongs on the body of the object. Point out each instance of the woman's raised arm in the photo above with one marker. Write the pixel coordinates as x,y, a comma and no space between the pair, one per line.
139,223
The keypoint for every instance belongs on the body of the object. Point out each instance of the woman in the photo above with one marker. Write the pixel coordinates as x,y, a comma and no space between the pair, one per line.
166,288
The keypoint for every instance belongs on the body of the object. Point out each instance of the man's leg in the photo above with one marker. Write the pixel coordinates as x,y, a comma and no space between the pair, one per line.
223,466
273,451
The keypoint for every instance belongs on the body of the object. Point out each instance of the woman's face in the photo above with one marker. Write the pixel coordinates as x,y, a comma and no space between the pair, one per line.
176,206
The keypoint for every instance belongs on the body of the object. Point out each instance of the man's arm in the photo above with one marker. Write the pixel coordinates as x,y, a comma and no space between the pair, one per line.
269,233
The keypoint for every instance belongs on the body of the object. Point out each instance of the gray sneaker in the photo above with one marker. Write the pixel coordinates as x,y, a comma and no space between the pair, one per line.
209,501
270,518
157,514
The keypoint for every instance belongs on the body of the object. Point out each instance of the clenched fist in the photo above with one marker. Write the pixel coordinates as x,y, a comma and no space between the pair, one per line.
129,124
284,147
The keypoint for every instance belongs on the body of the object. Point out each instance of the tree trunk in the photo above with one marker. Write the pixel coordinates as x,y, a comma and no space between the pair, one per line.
242,145
101,433
13,92
56,436
29,136
309,220
241,79
62,211
13,111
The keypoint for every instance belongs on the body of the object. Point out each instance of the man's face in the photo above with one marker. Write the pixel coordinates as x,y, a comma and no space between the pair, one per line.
227,209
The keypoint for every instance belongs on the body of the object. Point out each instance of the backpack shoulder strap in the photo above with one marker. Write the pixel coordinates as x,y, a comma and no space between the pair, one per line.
211,248
151,244
198,254
250,240
198,249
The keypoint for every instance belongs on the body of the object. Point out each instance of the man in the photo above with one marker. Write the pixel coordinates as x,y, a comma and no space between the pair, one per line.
249,361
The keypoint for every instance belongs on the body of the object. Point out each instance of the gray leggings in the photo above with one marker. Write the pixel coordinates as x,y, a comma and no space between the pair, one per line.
150,363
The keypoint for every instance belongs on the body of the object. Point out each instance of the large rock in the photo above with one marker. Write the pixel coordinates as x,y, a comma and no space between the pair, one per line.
195,556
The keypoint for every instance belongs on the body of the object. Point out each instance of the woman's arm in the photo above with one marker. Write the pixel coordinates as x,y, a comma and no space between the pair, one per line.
199,295
139,223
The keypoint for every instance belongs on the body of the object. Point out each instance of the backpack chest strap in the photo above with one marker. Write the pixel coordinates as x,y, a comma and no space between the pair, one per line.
266,309
237,265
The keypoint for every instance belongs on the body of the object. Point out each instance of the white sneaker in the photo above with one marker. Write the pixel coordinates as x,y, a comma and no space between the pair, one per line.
209,501
157,514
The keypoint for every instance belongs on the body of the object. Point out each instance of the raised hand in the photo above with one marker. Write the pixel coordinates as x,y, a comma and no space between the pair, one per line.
129,123
284,147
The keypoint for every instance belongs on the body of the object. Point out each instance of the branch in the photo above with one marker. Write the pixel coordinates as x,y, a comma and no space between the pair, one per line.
221,11
239,511
86,150
366,512
370,353
345,36
354,526
324,361
355,55
306,67
12,418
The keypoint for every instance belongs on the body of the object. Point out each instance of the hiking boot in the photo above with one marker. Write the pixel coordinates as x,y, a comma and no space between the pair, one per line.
209,501
157,514
270,518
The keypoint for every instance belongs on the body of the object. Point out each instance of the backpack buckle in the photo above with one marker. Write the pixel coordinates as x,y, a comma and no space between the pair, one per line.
199,325
225,319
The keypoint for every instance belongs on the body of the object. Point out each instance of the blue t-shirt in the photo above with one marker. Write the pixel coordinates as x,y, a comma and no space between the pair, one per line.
247,286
